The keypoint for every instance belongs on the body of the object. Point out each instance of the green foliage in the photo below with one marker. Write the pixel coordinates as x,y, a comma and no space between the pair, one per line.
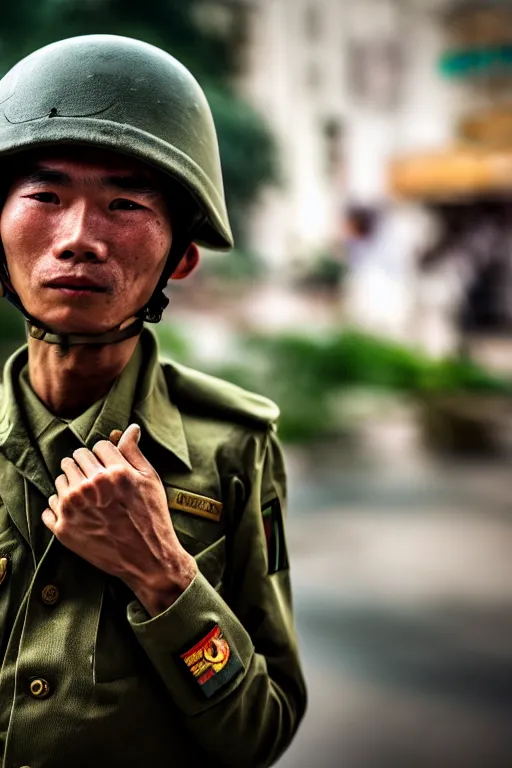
233,267
246,145
12,330
326,271
169,24
248,153
172,343
305,374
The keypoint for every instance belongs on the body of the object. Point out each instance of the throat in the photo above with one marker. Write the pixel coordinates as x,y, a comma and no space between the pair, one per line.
69,380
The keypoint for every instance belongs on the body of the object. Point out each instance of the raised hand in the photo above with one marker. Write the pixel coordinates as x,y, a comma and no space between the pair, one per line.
111,509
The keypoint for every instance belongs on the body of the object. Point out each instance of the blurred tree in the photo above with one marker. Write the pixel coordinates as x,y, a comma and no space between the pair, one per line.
200,34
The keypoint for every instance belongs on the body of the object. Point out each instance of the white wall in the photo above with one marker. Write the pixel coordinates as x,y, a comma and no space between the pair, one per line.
303,217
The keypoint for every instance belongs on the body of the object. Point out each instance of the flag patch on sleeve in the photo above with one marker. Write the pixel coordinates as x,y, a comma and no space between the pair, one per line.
274,535
212,662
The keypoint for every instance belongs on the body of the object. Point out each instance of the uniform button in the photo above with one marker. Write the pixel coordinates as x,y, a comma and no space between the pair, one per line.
39,688
3,568
50,594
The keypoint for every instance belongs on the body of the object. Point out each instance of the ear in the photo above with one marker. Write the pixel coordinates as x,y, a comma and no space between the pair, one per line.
188,263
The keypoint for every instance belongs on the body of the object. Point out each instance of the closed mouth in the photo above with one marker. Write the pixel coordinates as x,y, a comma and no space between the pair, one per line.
71,287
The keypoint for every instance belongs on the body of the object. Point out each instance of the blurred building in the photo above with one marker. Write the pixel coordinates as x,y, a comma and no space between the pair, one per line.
345,86
466,185
403,106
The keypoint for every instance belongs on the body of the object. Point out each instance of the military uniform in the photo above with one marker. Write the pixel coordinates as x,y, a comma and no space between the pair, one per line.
87,677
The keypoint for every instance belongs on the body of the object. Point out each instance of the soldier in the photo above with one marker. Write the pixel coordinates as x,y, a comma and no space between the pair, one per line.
145,608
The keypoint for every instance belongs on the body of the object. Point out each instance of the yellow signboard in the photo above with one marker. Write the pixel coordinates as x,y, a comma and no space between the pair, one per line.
459,172
492,127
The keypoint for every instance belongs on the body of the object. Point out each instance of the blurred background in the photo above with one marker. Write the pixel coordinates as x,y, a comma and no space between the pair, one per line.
367,153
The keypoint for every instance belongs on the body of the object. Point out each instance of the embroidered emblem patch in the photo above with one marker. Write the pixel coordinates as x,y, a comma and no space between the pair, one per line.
274,534
212,662
185,501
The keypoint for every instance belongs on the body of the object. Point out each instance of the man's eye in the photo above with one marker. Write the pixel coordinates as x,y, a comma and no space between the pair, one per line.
124,205
45,197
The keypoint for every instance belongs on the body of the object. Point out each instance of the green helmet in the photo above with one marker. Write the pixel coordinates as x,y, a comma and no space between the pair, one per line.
124,95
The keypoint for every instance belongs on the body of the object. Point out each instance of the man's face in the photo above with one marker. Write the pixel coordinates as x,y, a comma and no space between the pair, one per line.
86,236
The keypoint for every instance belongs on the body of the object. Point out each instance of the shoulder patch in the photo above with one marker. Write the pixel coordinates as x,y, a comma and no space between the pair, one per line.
212,662
211,395
274,534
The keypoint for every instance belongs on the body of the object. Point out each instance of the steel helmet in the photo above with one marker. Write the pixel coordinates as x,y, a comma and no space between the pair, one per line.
124,95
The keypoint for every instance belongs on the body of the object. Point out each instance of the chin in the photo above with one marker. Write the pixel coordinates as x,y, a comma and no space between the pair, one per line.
72,321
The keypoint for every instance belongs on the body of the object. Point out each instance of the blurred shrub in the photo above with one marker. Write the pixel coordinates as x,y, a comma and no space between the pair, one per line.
12,330
304,375
236,266
326,272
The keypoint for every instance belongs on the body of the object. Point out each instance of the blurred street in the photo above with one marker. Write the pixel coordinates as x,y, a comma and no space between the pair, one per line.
403,595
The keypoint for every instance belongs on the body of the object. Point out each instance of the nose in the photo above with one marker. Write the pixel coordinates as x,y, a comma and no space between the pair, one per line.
79,236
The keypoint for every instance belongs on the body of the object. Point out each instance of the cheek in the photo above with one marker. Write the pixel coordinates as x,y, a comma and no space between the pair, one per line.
23,232
149,246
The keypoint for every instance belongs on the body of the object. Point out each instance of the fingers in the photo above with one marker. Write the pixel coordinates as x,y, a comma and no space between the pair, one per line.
61,484
115,436
72,471
49,516
130,436
105,453
87,462
128,447
49,519
108,453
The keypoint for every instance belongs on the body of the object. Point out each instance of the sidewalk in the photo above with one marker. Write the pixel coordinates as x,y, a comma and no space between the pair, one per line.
403,595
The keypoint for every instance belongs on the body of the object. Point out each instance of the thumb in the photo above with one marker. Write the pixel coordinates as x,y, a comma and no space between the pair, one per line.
128,447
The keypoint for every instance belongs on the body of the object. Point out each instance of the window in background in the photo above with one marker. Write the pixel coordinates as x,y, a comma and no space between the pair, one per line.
332,131
375,71
313,22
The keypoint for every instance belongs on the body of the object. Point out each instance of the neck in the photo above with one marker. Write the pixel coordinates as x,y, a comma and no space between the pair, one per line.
69,381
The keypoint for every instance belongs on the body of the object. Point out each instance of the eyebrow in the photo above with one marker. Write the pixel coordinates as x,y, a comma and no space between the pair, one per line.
137,183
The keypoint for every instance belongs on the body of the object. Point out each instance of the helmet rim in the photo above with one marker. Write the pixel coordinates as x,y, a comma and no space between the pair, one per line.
139,145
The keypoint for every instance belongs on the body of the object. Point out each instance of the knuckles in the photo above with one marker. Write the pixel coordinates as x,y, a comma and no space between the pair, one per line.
105,480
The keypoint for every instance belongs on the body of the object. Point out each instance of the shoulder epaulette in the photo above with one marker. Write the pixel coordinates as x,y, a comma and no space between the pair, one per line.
209,395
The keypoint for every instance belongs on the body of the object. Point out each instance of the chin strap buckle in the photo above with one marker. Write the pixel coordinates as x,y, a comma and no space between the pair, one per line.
35,332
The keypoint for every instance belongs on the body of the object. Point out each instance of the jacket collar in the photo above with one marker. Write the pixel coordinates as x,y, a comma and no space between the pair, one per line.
153,407
158,416
15,443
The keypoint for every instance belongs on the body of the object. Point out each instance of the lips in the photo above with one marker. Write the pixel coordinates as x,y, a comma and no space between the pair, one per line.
75,283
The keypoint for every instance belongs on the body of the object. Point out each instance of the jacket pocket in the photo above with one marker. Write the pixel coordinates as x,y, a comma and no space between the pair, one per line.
206,541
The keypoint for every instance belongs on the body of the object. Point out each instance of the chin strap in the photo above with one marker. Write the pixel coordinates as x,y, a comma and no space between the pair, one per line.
37,330
126,330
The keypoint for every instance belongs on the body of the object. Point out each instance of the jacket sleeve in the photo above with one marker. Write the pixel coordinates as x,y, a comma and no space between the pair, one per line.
246,711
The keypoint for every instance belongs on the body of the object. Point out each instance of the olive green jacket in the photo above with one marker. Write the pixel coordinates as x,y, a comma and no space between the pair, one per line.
87,677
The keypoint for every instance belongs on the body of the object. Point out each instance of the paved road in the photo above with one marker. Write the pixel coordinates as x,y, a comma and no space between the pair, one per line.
403,590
